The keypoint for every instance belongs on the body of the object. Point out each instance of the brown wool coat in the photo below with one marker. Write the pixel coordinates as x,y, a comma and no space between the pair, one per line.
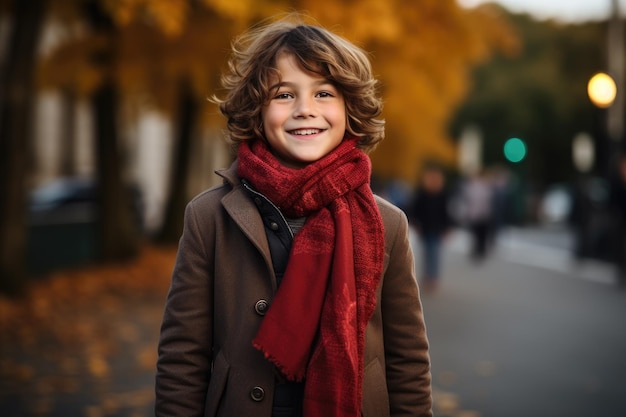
222,281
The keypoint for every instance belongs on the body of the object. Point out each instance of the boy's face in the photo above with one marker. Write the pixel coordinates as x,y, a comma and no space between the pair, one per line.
305,118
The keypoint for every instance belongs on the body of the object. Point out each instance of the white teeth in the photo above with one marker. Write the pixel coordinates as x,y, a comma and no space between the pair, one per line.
305,131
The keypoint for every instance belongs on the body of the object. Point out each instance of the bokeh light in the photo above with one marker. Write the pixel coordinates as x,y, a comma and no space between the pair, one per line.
514,150
602,90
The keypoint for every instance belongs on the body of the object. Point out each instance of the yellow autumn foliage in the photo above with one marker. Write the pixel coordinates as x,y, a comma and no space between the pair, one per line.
422,52
239,10
168,15
360,21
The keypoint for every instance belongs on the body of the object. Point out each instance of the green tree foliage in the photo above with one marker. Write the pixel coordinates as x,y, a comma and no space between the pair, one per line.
539,95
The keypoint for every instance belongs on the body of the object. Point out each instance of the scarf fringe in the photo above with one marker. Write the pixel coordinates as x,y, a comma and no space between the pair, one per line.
291,376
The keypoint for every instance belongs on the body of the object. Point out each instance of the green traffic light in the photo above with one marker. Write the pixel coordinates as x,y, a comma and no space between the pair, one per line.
514,150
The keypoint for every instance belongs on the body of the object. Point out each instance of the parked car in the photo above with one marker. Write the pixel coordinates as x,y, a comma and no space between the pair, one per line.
63,223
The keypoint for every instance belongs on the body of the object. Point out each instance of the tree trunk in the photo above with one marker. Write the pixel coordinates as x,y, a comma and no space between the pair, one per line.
118,227
119,236
68,132
172,226
16,105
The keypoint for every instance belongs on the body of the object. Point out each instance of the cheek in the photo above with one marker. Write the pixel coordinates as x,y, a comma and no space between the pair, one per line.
342,116
270,117
345,121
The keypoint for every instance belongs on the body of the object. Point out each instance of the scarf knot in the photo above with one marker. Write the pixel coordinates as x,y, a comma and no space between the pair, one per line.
300,192
315,327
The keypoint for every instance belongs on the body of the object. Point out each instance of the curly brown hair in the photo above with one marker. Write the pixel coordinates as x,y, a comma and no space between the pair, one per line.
252,67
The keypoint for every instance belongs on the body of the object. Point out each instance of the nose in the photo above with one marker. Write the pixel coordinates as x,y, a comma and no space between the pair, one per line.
305,107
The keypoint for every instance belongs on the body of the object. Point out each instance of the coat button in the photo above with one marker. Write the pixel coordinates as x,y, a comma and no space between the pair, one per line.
274,226
257,394
261,307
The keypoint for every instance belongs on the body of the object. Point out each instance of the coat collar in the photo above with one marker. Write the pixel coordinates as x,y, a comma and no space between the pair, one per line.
230,175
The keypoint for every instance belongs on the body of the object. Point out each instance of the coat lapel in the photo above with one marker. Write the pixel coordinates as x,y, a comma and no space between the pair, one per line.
246,215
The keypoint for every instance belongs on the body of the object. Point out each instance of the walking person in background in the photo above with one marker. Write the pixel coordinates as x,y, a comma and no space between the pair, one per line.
429,214
500,180
293,292
477,200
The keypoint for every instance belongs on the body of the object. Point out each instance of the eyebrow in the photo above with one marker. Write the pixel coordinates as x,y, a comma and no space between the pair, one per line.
290,84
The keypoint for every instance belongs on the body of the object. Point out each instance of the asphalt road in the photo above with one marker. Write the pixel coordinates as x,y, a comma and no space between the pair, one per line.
528,332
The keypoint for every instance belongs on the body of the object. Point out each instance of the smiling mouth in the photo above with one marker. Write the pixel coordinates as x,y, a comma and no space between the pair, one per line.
305,132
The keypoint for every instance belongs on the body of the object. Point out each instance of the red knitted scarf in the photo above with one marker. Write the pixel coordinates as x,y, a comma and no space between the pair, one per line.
315,328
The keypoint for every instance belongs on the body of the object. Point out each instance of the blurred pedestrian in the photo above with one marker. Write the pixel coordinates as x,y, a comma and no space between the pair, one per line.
617,201
293,292
580,217
477,200
500,179
431,219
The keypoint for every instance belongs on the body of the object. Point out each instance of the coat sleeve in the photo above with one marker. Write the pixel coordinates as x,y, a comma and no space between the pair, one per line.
406,345
183,366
